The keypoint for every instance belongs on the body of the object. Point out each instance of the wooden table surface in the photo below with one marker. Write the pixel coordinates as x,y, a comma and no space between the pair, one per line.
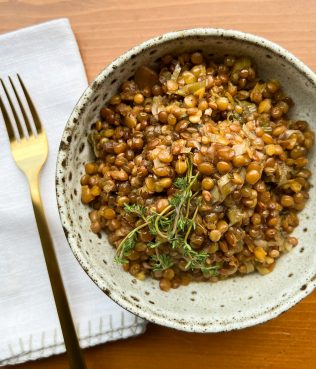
105,29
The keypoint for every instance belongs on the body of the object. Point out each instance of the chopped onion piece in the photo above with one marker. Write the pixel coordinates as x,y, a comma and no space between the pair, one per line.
186,150
176,72
164,76
225,185
248,108
157,106
158,163
213,137
234,215
241,63
257,91
191,88
288,133
239,149
267,129
230,98
260,155
248,133
242,173
224,180
216,196
283,172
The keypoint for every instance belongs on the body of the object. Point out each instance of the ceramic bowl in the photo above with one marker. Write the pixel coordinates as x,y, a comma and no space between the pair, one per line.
200,307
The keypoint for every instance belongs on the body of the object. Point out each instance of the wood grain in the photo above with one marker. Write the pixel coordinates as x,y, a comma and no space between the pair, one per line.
105,29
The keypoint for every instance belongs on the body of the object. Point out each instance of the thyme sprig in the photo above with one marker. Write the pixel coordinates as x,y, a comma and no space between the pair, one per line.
173,225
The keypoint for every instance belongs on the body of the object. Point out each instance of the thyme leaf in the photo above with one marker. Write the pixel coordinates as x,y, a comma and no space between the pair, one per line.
161,262
139,210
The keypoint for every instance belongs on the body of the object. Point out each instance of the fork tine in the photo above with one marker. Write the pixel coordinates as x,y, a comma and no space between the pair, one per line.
16,118
26,119
34,113
7,121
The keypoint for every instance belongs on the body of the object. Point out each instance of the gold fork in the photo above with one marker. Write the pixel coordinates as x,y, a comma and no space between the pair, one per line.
30,153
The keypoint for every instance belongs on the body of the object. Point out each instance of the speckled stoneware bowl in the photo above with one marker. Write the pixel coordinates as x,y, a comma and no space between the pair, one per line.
200,307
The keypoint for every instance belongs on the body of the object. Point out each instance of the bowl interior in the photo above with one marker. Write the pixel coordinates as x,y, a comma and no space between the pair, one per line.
231,304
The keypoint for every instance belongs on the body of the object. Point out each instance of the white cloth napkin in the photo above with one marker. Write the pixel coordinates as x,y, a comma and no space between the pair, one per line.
47,58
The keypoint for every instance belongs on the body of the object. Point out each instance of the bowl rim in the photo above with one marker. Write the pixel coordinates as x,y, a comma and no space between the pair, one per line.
190,326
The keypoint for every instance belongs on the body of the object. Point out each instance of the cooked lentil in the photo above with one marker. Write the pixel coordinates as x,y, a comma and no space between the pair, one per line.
198,172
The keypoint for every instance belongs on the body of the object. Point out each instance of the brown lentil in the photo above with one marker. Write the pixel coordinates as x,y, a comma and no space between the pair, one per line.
215,235
223,167
181,166
207,183
252,176
206,168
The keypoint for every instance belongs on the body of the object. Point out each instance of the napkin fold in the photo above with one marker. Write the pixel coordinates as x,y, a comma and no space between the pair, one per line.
48,60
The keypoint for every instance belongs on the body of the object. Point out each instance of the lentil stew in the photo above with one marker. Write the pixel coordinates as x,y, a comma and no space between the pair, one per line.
199,174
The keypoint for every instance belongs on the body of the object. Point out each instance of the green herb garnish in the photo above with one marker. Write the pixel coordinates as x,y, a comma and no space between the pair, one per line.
161,262
173,225
135,209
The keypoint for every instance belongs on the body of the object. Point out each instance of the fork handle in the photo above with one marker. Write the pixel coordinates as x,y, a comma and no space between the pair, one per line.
74,352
